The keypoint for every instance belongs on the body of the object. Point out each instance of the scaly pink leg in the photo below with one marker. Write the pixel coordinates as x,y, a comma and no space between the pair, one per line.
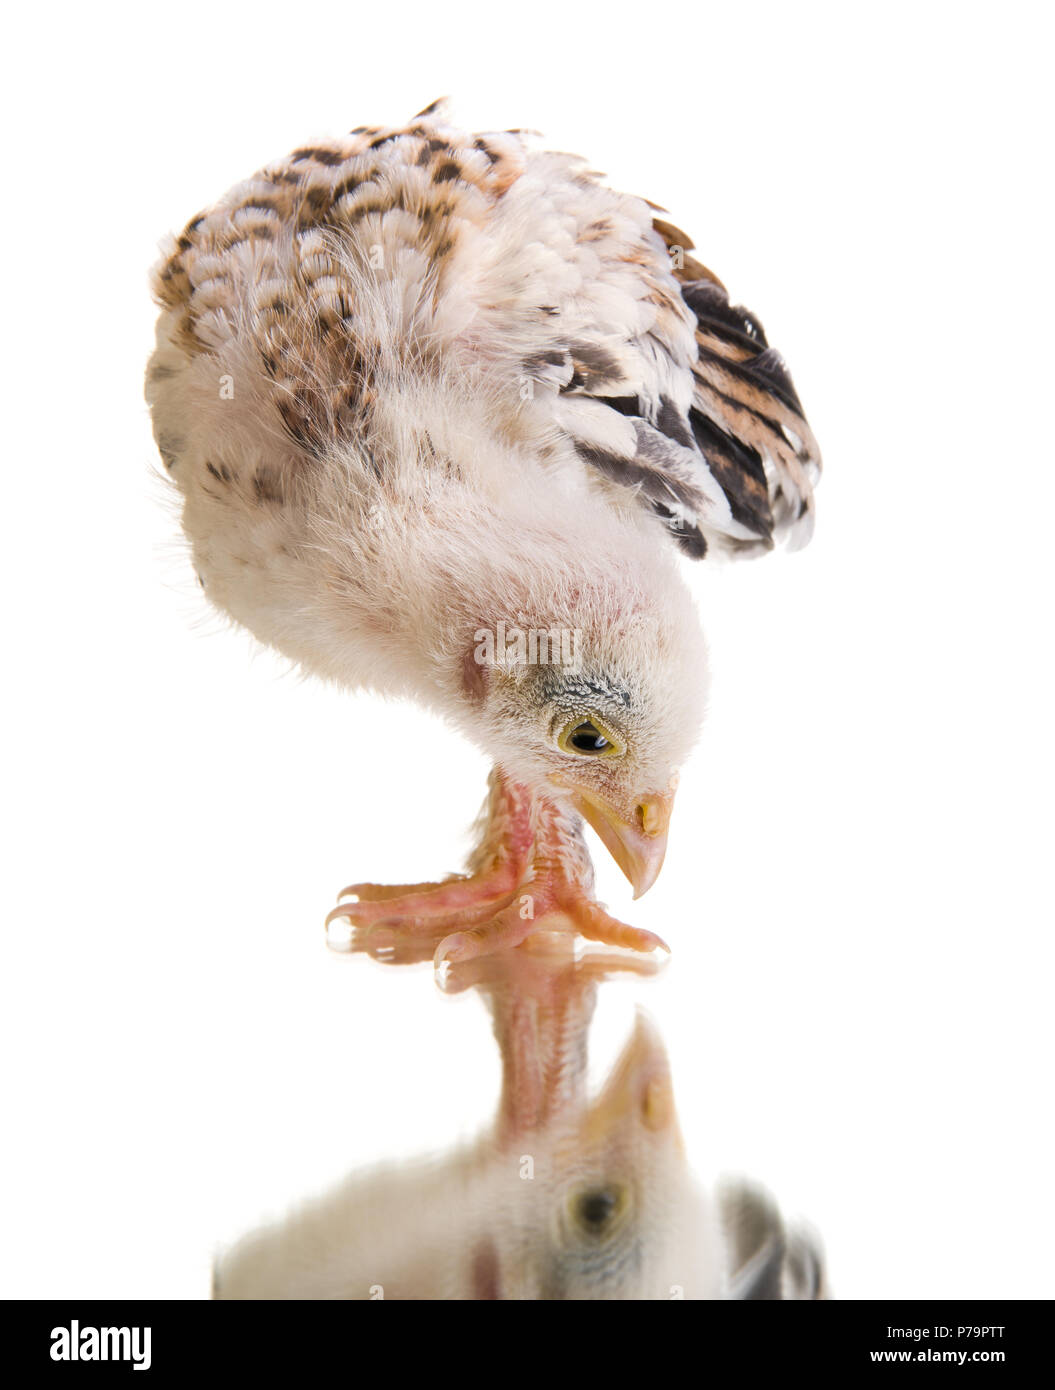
546,906
532,872
433,910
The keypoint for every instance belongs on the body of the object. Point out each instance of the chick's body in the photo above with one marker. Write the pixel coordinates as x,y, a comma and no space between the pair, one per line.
421,390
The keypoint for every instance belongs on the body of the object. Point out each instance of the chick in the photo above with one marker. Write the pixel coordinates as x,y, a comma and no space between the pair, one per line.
599,1206
565,1197
442,409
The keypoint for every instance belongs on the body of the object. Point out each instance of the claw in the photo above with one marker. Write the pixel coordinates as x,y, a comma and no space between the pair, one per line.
592,922
380,892
504,931
416,914
339,934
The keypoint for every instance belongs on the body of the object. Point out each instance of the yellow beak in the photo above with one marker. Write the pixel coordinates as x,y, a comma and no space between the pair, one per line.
638,846
639,1088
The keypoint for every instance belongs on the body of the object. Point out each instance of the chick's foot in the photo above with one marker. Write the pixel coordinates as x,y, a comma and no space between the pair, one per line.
531,872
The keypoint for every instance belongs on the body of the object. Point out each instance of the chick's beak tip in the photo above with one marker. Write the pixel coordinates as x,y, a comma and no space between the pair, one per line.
638,845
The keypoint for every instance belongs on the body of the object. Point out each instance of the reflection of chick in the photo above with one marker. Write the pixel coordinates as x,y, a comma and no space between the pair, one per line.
566,1198
599,1205
765,1260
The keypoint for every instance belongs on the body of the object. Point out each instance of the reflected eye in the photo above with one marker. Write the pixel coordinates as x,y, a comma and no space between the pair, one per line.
589,737
595,1210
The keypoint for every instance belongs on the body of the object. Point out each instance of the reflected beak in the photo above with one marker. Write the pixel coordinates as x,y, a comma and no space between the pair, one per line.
638,845
639,1088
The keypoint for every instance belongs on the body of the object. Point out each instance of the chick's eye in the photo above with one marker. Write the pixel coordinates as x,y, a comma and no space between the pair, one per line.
590,737
596,1210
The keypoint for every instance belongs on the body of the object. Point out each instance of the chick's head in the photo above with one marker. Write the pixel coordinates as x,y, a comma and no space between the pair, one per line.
596,700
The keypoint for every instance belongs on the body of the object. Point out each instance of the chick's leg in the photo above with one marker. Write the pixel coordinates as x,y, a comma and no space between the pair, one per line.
558,895
391,915
531,872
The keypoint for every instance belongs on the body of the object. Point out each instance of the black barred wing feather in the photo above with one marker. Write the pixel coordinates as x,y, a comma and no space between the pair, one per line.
700,416
766,1260
748,422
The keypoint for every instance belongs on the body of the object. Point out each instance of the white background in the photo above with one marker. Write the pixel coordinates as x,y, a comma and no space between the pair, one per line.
858,881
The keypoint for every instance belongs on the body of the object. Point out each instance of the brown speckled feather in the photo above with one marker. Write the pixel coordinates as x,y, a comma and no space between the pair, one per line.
653,378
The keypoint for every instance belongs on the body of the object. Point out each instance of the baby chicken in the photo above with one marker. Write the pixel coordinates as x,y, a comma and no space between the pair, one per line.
442,409
566,1198
596,1204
